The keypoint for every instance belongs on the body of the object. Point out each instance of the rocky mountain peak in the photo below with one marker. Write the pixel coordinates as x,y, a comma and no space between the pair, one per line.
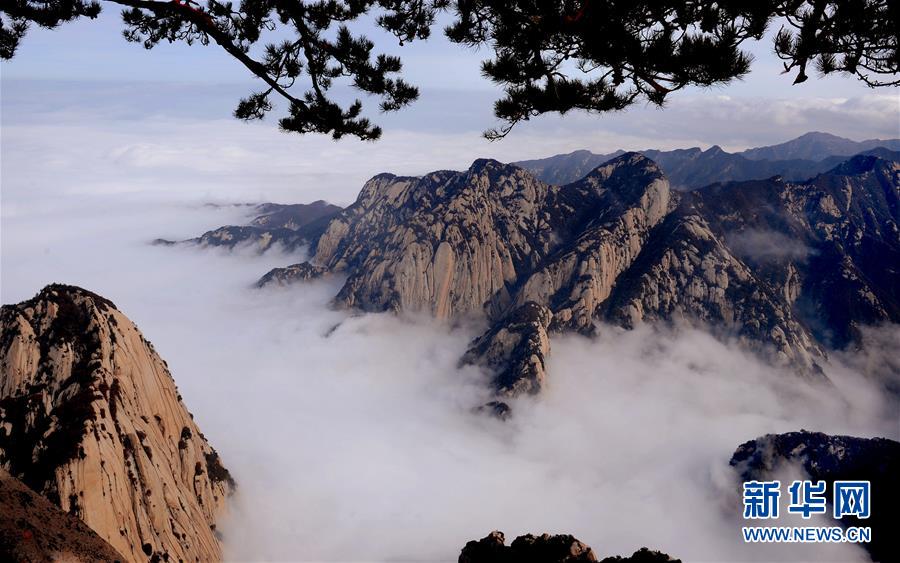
376,189
480,165
629,159
632,179
787,268
92,420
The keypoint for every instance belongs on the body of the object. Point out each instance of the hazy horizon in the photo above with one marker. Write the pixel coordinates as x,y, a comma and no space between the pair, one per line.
92,97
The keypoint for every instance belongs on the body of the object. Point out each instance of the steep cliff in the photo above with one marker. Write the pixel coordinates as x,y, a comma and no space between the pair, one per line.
92,420
826,244
789,269
446,243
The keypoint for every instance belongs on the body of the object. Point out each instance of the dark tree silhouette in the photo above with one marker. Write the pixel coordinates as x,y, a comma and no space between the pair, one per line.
548,56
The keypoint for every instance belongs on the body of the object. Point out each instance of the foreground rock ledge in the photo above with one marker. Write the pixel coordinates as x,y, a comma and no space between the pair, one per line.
93,422
546,548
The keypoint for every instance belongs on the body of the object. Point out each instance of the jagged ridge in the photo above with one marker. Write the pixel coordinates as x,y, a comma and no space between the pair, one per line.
620,246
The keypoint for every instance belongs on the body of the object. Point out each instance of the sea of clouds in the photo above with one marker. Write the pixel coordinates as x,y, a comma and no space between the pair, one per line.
352,438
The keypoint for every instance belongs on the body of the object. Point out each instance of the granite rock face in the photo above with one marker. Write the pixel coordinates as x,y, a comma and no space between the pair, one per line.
835,458
486,241
789,269
514,350
824,244
446,243
92,420
686,274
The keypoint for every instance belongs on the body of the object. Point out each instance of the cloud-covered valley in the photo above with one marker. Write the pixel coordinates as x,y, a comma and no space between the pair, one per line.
352,437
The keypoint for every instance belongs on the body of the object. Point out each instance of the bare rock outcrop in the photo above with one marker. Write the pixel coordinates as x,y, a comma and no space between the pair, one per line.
515,350
446,243
687,275
92,420
292,274
626,198
823,243
789,269
289,226
493,241
546,548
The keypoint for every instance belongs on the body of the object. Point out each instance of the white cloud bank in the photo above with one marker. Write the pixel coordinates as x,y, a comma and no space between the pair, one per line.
351,437
87,138
356,442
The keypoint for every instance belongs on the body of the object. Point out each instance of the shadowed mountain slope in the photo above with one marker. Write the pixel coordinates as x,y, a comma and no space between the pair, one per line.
34,529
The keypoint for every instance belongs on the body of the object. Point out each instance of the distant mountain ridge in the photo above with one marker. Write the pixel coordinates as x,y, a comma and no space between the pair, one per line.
289,225
798,159
817,145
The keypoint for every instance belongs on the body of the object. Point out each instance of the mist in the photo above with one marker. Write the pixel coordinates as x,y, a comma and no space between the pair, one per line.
351,436
767,246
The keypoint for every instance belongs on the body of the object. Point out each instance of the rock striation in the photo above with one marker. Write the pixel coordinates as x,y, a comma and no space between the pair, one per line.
789,269
546,548
92,420
834,458
822,245
515,350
